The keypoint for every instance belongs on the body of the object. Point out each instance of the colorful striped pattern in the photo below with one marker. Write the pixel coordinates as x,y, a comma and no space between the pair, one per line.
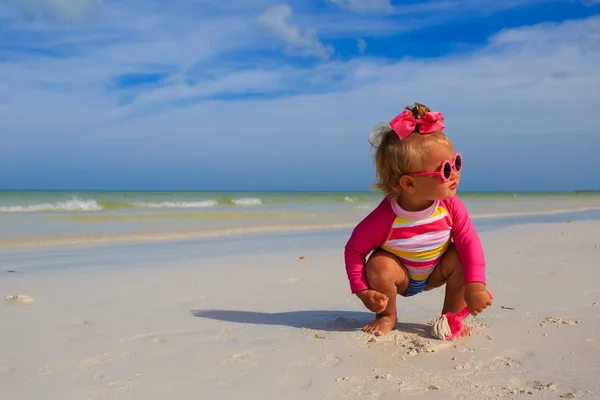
420,245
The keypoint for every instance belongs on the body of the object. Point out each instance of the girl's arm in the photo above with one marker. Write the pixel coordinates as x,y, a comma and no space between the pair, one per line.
368,235
466,240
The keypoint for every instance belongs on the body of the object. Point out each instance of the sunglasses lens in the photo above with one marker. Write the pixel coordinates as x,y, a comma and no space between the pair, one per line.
458,163
447,170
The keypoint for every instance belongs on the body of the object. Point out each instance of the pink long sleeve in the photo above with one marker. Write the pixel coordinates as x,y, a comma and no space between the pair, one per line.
466,241
368,235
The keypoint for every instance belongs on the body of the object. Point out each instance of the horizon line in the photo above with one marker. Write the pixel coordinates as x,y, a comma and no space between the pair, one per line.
284,191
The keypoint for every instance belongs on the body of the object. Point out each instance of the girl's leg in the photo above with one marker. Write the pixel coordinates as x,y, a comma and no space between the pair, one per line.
449,271
387,275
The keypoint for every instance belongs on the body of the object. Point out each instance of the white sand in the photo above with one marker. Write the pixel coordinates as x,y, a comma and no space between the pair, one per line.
440,329
274,326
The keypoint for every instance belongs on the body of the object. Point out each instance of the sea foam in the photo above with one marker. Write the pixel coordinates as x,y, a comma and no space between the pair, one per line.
75,204
179,204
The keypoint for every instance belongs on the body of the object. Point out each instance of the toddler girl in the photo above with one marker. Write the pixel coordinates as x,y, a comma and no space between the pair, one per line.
420,236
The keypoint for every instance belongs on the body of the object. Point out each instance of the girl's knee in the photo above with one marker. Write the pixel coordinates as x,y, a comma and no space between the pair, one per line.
380,263
384,268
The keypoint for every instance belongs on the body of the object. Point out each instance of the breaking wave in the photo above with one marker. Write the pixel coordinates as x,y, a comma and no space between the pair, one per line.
77,204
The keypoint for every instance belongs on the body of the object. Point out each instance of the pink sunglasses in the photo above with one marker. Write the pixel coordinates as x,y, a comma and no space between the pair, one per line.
445,171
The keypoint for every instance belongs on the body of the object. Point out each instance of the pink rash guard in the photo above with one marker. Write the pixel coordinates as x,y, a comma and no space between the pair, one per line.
418,239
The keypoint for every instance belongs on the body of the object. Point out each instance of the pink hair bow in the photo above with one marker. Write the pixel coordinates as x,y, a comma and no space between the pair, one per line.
404,124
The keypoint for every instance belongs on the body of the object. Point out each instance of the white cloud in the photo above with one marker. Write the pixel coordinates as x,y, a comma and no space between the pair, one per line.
533,83
365,6
362,45
432,12
541,68
276,22
530,71
407,17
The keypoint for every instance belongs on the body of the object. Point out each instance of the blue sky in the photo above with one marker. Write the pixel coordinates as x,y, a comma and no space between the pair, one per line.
261,94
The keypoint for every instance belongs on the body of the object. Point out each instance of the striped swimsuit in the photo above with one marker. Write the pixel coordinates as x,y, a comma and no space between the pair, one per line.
418,239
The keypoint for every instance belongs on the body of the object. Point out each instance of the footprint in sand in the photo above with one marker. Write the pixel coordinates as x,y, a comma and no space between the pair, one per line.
327,361
226,337
502,363
236,367
91,368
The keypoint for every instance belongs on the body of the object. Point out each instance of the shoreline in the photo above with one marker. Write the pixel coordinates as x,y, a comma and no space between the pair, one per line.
18,202
80,190
510,218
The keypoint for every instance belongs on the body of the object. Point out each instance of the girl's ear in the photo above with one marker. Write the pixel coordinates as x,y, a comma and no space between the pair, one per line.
407,184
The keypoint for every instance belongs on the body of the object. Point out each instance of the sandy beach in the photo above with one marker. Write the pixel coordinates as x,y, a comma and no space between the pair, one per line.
180,180
156,321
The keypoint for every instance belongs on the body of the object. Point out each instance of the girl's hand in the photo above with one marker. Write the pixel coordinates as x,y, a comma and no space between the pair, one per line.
373,300
476,297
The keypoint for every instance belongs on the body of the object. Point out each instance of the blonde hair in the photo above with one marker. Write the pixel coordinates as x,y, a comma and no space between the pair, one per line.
394,157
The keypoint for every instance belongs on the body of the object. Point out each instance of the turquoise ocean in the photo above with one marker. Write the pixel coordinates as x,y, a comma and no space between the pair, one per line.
42,218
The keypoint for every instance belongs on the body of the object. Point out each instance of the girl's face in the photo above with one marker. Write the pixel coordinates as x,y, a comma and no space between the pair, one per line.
433,187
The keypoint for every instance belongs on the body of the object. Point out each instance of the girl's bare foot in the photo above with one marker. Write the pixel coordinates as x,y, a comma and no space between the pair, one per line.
382,325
